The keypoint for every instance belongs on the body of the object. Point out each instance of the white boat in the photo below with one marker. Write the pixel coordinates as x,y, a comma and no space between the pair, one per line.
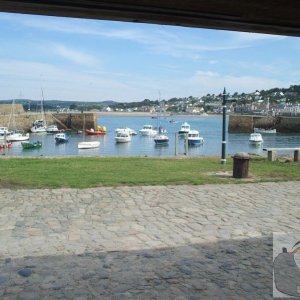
194,138
266,131
185,128
40,125
52,129
255,139
148,130
126,129
161,139
88,145
4,132
162,130
123,137
61,137
18,136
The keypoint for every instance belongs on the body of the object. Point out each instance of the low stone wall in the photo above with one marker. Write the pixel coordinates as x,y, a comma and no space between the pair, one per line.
245,124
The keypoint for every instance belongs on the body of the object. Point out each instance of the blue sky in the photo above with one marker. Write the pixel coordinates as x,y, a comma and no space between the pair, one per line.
93,60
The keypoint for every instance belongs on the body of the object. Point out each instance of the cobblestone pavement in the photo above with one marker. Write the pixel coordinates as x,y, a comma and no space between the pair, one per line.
174,242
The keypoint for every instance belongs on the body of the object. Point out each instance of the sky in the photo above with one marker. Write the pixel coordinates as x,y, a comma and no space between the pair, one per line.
95,60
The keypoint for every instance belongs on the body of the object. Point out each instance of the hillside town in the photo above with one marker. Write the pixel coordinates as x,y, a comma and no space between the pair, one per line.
273,102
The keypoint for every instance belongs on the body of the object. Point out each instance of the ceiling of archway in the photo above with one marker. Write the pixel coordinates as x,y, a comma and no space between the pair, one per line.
265,16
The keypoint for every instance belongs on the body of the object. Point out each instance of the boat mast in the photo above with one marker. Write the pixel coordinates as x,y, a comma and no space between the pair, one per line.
42,109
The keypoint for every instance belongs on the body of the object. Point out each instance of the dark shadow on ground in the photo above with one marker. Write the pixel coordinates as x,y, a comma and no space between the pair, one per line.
231,269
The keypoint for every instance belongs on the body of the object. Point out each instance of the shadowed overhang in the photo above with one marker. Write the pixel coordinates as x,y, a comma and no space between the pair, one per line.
264,16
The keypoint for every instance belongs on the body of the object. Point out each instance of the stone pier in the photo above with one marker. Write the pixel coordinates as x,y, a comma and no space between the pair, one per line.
246,123
72,121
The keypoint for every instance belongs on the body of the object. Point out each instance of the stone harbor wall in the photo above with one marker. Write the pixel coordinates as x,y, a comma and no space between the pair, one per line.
72,121
246,123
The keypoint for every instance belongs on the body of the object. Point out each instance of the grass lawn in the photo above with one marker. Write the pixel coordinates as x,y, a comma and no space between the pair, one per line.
84,172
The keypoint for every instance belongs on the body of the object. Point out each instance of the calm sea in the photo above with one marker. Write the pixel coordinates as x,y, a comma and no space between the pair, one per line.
210,128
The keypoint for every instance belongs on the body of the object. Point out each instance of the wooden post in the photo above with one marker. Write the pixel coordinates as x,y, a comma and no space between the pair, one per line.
186,144
176,144
296,155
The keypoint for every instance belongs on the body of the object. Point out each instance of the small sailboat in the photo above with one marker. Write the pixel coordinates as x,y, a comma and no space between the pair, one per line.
161,138
16,135
40,125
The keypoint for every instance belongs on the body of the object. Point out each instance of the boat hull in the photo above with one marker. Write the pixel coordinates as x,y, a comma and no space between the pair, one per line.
95,132
5,145
265,131
88,145
38,130
161,139
18,137
35,145
61,140
195,142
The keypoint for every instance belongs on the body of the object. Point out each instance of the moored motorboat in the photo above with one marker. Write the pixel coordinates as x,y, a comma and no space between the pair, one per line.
194,138
31,145
126,129
52,129
148,130
39,126
61,137
255,139
185,128
161,139
265,131
88,145
18,136
123,137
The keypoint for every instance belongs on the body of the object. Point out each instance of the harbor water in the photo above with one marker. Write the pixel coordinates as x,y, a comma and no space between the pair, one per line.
210,128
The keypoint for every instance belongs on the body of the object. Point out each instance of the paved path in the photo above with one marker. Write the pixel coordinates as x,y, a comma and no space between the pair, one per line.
175,242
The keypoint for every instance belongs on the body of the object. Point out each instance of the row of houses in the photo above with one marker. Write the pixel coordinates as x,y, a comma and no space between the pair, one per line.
233,106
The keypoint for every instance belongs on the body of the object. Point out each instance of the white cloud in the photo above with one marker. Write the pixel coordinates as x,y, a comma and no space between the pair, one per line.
211,82
58,83
75,56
